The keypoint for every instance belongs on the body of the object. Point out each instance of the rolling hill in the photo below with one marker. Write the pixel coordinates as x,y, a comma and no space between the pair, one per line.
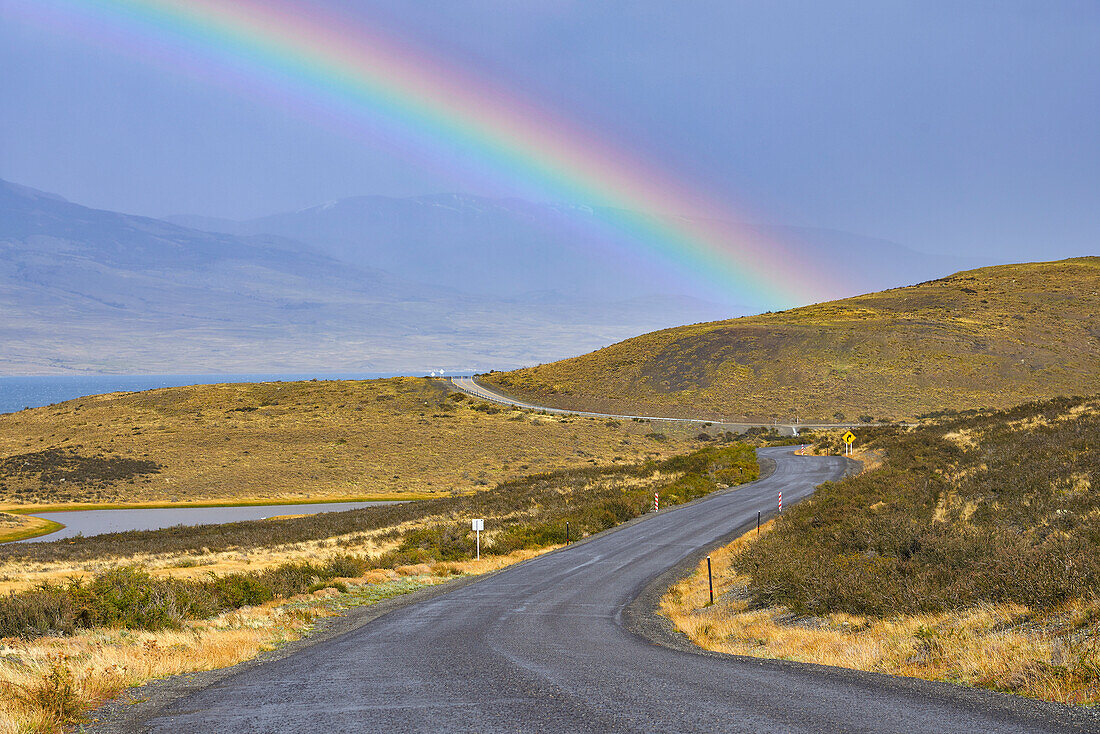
991,337
297,441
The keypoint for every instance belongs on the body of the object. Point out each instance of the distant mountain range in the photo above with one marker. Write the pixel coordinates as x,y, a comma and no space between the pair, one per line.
362,284
512,248
98,291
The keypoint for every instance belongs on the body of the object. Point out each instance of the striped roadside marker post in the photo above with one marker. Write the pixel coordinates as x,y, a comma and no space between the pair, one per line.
710,582
781,501
656,502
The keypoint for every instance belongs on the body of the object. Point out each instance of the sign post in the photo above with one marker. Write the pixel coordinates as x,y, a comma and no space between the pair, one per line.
478,526
848,437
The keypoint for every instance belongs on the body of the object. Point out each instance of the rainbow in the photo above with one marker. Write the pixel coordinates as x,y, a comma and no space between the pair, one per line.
452,118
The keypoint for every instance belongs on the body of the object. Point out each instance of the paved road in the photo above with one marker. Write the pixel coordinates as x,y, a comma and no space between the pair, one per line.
543,647
472,387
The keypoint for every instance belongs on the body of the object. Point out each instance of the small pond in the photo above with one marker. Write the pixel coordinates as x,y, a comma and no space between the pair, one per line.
97,522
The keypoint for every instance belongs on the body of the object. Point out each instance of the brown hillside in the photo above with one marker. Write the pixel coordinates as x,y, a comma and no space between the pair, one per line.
991,337
297,441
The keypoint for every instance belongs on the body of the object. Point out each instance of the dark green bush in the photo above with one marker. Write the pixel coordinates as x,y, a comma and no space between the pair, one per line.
45,610
128,597
536,535
447,542
131,598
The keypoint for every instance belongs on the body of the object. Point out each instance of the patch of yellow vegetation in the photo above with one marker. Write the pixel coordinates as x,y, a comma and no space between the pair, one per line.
1079,483
939,514
1030,423
1003,646
962,438
101,663
949,508
1074,413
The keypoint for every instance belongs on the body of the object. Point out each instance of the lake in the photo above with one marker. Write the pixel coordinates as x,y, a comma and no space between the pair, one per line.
97,522
17,393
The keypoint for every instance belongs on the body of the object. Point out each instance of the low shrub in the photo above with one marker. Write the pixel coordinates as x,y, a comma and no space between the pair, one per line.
447,542
131,598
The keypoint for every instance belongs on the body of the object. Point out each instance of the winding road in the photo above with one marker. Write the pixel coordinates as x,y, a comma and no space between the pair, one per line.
565,643
471,386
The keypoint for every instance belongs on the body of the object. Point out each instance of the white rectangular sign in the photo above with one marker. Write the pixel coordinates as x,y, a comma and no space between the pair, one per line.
478,525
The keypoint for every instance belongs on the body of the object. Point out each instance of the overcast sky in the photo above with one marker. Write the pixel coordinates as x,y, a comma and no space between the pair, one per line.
945,126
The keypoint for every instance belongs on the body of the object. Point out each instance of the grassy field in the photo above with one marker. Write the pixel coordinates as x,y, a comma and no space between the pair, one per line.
296,441
992,337
527,512
969,554
87,617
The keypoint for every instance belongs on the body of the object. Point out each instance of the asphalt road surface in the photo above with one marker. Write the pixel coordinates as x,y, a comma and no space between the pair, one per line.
551,645
471,386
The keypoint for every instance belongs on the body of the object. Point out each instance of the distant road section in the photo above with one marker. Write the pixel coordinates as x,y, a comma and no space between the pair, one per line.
471,386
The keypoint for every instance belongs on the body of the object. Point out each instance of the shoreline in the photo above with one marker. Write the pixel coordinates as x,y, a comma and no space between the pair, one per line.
157,505
47,526
31,529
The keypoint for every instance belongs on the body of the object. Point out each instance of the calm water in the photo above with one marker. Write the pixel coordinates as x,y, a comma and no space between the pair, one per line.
97,522
17,393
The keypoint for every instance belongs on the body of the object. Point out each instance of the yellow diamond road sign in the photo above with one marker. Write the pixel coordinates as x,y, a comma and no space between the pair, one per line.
849,437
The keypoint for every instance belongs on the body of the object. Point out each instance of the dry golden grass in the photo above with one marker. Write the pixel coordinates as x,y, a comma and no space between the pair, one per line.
101,663
104,662
542,493
1051,656
992,337
302,441
19,575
